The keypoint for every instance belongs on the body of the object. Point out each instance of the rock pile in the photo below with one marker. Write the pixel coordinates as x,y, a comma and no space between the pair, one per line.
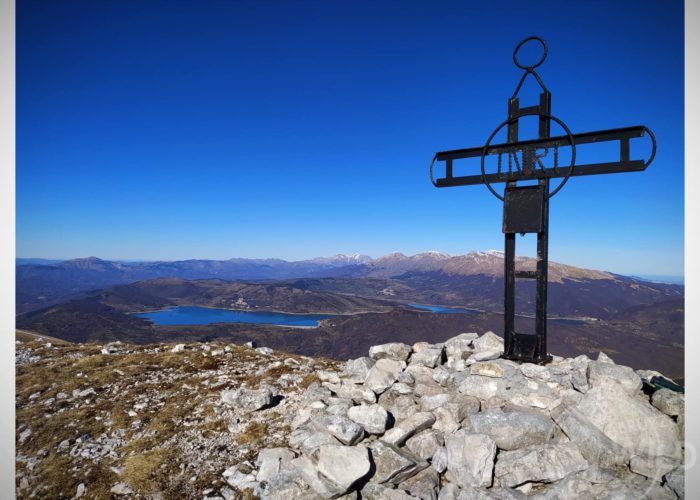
431,421
453,421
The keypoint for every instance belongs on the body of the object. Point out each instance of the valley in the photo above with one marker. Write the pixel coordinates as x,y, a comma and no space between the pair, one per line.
639,323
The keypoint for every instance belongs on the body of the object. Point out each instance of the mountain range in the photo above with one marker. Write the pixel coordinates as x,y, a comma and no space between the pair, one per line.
41,284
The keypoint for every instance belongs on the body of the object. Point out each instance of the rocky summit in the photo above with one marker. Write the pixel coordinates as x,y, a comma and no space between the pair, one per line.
443,421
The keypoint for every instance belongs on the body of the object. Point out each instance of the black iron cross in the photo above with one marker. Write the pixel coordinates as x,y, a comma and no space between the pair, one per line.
526,207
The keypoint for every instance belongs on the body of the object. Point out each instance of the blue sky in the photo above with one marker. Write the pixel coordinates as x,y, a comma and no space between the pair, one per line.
211,129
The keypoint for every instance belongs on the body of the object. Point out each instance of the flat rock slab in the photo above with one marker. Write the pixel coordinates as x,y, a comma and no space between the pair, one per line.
406,428
270,462
393,464
594,445
343,466
513,429
540,463
470,458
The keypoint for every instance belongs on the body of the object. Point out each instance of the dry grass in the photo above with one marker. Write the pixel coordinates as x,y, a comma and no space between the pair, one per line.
143,472
254,433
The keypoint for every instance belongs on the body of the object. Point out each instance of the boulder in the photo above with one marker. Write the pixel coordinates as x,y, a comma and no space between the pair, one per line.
307,441
356,370
676,481
354,392
601,372
541,463
425,444
342,428
247,400
513,429
406,428
383,374
594,445
376,491
430,357
485,355
654,468
325,488
630,422
488,342
393,464
470,458
394,350
343,466
445,420
429,403
439,460
423,485
270,461
669,402
373,418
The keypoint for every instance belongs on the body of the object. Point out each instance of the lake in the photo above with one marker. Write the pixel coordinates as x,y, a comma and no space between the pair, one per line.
444,310
192,315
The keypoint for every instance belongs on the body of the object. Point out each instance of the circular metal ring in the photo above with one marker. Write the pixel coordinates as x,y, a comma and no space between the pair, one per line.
544,53
511,120
653,146
432,163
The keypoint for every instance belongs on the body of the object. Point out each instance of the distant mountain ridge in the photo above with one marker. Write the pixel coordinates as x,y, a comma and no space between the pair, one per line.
43,284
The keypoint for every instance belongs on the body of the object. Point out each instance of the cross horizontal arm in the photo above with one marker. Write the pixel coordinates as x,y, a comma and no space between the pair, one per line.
624,164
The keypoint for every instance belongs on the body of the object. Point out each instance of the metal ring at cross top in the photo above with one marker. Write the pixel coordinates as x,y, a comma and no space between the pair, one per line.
544,53
516,118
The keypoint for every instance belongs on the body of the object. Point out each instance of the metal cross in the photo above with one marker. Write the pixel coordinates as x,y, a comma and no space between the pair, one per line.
526,208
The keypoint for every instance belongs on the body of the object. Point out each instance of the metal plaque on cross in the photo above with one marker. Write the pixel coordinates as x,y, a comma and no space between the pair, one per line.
528,168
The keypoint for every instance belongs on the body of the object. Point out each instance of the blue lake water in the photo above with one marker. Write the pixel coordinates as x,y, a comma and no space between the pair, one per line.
192,315
445,310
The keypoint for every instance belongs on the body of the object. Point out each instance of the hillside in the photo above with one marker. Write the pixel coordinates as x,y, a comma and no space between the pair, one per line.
433,420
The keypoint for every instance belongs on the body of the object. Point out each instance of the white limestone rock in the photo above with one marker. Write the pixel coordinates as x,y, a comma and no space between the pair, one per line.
654,468
470,458
406,428
373,418
630,422
343,466
426,443
594,445
342,428
355,370
669,402
601,372
383,374
429,357
394,350
394,464
541,463
513,429
488,342
270,462
247,400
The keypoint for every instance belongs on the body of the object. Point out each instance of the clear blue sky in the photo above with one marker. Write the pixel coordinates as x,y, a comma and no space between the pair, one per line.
212,129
